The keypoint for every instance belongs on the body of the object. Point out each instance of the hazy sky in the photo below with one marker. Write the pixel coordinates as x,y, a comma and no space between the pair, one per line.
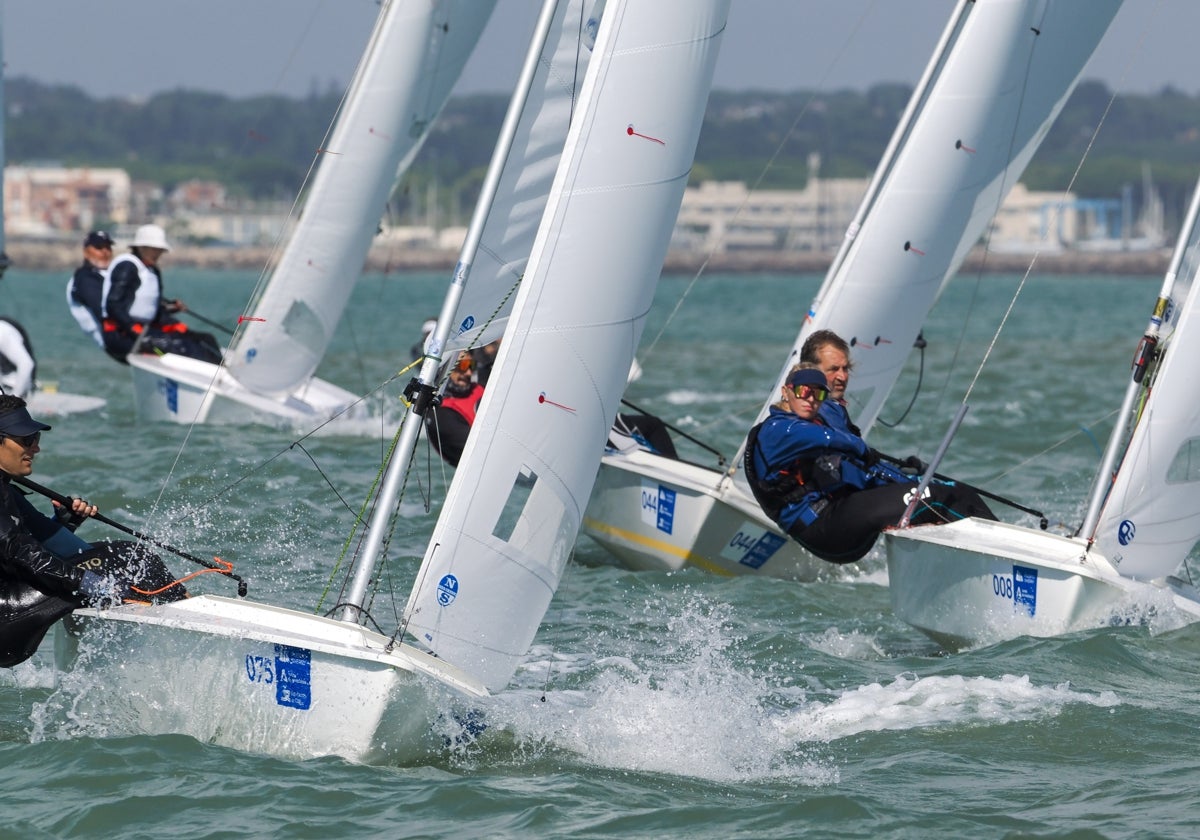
244,47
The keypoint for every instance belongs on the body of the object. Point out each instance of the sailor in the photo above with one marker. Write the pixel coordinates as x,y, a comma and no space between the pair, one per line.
449,421
826,488
85,289
135,311
46,571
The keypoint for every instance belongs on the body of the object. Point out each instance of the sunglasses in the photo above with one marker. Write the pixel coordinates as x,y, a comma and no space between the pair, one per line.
25,440
465,364
808,392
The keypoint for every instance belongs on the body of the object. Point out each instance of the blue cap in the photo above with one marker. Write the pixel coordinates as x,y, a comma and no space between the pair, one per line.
808,376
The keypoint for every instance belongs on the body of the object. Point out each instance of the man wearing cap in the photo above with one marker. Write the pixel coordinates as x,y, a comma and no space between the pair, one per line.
45,570
826,488
85,289
135,311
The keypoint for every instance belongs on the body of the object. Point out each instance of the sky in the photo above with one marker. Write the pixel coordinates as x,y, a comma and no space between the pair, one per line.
134,48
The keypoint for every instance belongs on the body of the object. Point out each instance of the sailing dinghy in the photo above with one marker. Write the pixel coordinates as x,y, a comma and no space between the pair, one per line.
415,54
999,76
973,582
275,680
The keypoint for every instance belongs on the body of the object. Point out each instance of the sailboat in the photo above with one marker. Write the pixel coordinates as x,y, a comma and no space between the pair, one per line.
973,582
414,56
999,76
300,684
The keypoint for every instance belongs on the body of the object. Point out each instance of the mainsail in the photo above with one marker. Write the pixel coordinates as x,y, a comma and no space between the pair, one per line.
415,55
1001,79
513,510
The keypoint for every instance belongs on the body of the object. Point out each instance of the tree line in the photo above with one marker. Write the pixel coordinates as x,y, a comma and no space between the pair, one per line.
262,147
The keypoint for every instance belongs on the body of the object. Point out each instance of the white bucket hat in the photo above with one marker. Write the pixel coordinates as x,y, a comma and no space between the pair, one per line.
150,236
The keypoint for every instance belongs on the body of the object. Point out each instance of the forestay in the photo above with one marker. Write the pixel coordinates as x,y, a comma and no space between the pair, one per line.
513,510
416,54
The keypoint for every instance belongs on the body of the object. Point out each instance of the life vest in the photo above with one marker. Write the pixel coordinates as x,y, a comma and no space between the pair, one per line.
466,406
789,487
146,299
808,484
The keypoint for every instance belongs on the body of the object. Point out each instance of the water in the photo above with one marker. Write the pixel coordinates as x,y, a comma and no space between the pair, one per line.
650,705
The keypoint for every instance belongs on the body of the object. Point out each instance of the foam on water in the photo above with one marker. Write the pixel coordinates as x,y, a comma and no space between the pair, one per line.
693,711
912,702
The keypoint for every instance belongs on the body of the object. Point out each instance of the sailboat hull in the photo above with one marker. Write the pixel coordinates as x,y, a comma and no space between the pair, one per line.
657,514
977,582
254,677
178,389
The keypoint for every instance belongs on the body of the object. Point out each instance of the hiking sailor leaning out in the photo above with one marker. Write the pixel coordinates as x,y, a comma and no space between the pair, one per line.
135,311
46,571
826,488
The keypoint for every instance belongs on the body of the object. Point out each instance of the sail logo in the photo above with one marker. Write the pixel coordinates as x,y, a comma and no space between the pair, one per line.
447,590
251,355
752,546
1125,532
658,506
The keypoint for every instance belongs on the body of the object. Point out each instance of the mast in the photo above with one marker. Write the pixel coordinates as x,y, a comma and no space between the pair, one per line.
1141,360
423,386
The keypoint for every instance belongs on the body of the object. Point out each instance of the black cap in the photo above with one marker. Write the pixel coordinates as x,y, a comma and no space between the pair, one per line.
98,239
18,422
808,376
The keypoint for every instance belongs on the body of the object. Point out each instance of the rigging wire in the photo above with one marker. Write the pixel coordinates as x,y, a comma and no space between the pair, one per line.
818,90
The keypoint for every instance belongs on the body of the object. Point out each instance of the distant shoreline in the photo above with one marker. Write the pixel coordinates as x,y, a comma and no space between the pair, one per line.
43,256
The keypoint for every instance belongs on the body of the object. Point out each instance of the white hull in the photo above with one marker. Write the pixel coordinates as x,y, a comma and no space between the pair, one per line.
54,403
257,678
657,514
179,389
976,582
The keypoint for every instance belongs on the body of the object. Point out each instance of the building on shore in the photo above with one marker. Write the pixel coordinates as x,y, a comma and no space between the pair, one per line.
805,226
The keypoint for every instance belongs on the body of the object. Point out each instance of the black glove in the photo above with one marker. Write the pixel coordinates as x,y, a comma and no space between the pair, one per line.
912,462
871,458
67,517
106,590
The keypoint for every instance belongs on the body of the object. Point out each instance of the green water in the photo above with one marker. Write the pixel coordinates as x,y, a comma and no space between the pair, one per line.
650,705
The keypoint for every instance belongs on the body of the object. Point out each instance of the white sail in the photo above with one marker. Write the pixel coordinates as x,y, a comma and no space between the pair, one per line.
524,186
416,53
994,95
1000,75
1151,519
511,517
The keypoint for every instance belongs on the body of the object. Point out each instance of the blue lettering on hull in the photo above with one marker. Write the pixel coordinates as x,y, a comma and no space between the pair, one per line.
1025,588
293,677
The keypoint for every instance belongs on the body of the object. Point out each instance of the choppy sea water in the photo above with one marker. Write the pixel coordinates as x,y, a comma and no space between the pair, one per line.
651,705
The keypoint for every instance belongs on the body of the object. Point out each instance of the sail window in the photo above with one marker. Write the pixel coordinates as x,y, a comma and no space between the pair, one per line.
302,324
1185,466
514,505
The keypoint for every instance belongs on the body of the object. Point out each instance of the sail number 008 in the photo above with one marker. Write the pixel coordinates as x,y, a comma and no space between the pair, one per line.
1002,585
